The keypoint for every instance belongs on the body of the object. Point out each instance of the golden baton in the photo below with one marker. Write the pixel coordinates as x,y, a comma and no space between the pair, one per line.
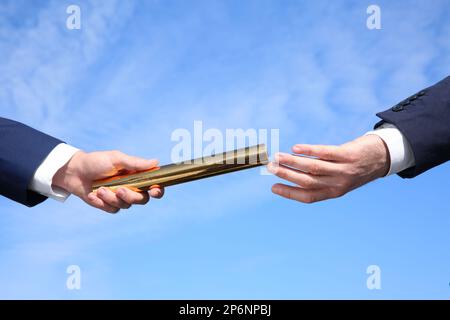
199,168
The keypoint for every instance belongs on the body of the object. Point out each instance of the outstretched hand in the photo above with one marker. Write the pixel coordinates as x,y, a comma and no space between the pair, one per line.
325,172
79,174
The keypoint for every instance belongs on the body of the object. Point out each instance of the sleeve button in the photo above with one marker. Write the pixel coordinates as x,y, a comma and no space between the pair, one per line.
397,108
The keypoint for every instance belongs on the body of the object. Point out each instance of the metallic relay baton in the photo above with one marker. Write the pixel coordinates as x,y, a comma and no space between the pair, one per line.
176,173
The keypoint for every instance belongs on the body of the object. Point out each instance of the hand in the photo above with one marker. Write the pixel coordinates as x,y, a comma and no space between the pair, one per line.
79,174
333,171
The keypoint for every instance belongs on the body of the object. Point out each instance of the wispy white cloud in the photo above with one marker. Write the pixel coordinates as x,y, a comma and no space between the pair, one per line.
129,78
44,61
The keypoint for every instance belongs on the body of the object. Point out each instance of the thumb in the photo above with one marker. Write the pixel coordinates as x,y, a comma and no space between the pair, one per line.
130,163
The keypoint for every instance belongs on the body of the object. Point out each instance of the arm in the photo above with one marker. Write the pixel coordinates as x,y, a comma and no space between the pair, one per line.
34,166
424,120
22,150
414,136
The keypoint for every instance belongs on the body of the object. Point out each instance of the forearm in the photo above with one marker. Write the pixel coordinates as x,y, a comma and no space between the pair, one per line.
423,119
22,151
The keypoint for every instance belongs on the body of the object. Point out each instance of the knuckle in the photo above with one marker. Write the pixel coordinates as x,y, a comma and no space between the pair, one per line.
293,160
287,193
287,161
340,152
328,154
282,173
282,192
345,154
352,157
350,171
307,183
325,152
314,168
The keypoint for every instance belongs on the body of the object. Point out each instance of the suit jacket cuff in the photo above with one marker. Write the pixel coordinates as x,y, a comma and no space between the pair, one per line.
423,119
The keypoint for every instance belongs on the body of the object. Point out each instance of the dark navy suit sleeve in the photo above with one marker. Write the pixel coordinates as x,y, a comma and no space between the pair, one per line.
22,150
424,120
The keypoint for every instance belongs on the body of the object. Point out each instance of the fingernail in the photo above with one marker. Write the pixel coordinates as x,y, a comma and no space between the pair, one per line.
91,196
120,192
101,192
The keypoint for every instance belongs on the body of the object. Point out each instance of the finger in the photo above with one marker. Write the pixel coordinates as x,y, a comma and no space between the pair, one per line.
111,198
299,194
130,163
98,203
156,192
312,166
302,179
333,153
132,197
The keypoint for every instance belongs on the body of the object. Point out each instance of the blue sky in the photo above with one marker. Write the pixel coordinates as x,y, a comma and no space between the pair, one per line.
138,70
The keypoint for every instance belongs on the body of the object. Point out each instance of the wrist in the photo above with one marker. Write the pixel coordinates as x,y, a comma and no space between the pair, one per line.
382,159
69,175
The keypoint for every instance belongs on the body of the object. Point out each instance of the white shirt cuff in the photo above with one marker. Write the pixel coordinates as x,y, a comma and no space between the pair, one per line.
43,177
402,156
